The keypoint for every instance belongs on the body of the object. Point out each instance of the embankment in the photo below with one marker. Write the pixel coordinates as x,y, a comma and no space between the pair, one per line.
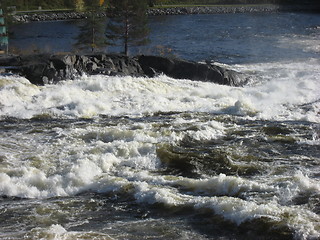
65,15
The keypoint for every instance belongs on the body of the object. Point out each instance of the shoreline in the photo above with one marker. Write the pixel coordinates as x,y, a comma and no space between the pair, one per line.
217,9
187,10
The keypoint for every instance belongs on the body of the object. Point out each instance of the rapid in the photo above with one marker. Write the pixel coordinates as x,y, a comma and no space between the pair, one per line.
110,157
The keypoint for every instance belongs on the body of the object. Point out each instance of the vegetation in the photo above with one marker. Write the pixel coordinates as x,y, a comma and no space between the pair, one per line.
24,5
210,2
92,33
216,2
128,23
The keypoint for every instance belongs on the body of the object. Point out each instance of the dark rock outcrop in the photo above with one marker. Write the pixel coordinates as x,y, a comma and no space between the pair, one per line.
182,69
46,69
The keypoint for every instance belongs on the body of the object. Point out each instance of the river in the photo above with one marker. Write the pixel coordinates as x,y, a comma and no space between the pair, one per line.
109,157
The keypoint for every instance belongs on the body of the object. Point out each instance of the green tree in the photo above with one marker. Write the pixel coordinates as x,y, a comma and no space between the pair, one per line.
79,5
128,24
92,32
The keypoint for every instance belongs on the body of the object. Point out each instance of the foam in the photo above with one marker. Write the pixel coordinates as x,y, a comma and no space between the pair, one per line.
296,185
102,158
284,88
223,185
112,159
304,223
91,96
16,94
58,232
308,43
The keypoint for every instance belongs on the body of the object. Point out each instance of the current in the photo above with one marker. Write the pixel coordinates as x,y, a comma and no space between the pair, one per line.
110,157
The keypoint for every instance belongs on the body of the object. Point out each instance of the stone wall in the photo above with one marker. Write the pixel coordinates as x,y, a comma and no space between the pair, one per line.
51,16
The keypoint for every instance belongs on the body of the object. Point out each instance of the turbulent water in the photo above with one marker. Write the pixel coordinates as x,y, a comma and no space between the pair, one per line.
158,158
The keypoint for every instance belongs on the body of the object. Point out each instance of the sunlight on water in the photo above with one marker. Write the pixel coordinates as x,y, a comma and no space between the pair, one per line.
110,157
95,95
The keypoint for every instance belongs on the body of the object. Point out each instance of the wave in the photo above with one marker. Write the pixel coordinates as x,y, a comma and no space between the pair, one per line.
280,94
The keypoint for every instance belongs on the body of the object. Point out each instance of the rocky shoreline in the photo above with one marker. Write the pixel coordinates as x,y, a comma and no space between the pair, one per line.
51,69
66,15
212,10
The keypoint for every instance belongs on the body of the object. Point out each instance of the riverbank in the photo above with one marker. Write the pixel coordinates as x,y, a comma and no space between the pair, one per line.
217,9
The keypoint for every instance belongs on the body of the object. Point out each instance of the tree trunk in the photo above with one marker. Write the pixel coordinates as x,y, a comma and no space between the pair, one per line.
126,36
93,33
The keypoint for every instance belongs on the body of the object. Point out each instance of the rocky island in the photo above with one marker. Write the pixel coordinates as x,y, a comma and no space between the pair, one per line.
50,69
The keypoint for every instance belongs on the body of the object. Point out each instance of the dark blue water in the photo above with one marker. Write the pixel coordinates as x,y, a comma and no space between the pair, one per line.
233,38
55,36
227,38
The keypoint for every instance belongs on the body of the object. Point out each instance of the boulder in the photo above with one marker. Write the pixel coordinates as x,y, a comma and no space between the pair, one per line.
47,69
182,69
44,69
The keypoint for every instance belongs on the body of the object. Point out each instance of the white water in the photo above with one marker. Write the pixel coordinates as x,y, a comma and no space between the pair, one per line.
51,162
283,91
122,157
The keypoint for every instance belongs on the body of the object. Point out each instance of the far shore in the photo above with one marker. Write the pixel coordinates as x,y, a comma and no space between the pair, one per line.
65,14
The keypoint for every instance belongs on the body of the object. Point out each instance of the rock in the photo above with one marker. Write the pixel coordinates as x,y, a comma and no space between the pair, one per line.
182,69
64,15
36,73
10,60
212,9
44,69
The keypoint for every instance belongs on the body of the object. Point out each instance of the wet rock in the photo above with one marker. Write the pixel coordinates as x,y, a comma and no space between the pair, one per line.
44,69
182,69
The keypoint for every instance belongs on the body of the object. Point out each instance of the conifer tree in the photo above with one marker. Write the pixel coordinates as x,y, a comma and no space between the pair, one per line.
128,23
92,33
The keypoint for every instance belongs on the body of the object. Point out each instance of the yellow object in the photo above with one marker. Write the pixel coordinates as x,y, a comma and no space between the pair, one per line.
101,2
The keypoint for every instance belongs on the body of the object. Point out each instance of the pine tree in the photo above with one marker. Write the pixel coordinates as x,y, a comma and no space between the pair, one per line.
92,33
128,23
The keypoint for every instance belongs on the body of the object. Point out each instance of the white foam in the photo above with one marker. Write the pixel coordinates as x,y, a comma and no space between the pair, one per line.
80,159
308,43
58,232
224,185
297,185
285,87
315,136
16,96
121,158
304,223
